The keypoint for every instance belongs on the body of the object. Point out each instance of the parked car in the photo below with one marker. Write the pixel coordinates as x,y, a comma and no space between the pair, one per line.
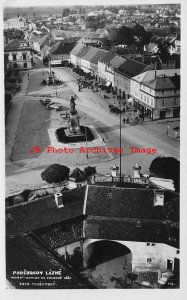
55,105
45,101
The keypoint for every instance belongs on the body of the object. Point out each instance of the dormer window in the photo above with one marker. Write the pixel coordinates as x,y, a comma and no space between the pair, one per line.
159,199
59,199
149,260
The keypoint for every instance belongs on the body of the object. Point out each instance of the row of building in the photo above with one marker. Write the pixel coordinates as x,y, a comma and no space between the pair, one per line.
17,23
155,92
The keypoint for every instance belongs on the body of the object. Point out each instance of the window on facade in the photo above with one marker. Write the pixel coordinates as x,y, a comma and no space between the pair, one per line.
149,260
24,56
175,91
25,65
162,103
14,56
162,91
145,98
151,102
175,101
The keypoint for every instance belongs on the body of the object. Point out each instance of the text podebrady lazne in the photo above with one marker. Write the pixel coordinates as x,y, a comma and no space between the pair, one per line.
37,272
95,150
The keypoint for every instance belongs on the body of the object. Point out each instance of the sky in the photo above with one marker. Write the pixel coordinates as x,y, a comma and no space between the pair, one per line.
9,3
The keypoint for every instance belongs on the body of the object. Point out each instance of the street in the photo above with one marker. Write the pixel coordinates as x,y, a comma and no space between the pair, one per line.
29,128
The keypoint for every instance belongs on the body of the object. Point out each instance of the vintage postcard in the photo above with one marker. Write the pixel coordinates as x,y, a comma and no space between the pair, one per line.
92,95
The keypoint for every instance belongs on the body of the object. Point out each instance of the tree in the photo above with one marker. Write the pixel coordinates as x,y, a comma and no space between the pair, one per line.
163,50
125,35
55,173
15,34
66,12
90,170
167,167
113,9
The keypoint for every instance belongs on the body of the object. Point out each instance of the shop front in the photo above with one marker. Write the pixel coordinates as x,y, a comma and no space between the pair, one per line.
145,111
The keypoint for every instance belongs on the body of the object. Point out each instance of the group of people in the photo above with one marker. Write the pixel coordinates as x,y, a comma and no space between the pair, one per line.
83,84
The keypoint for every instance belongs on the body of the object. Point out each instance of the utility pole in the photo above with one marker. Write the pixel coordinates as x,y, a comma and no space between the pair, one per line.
120,143
86,139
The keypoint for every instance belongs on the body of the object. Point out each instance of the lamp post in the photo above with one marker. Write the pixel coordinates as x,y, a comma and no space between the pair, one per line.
86,138
120,144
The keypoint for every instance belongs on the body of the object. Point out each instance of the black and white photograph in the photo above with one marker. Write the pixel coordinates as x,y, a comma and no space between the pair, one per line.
92,144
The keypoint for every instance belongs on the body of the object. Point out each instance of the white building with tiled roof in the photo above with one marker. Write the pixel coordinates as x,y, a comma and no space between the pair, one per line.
17,23
18,55
157,93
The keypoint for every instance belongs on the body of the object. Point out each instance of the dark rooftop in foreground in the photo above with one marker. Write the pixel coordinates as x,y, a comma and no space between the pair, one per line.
26,253
107,212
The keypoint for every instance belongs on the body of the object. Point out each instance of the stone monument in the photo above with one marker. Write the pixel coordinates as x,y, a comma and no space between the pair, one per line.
73,128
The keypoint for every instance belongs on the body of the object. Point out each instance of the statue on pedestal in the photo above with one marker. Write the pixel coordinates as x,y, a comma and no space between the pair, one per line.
72,104
73,128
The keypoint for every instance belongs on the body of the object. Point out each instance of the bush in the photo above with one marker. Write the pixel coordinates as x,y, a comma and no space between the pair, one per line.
90,170
55,173
167,167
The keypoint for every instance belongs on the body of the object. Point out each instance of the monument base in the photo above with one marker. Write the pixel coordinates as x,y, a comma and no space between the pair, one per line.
63,137
73,134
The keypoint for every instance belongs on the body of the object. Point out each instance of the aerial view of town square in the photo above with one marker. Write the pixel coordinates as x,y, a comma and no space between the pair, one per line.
92,138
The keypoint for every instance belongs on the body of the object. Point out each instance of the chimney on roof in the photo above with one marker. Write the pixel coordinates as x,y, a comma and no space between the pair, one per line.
158,198
137,169
59,199
114,170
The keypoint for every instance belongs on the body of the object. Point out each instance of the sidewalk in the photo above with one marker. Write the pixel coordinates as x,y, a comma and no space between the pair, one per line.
11,126
14,115
160,126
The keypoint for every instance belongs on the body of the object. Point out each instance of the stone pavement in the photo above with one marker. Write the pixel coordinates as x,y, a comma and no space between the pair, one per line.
25,173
